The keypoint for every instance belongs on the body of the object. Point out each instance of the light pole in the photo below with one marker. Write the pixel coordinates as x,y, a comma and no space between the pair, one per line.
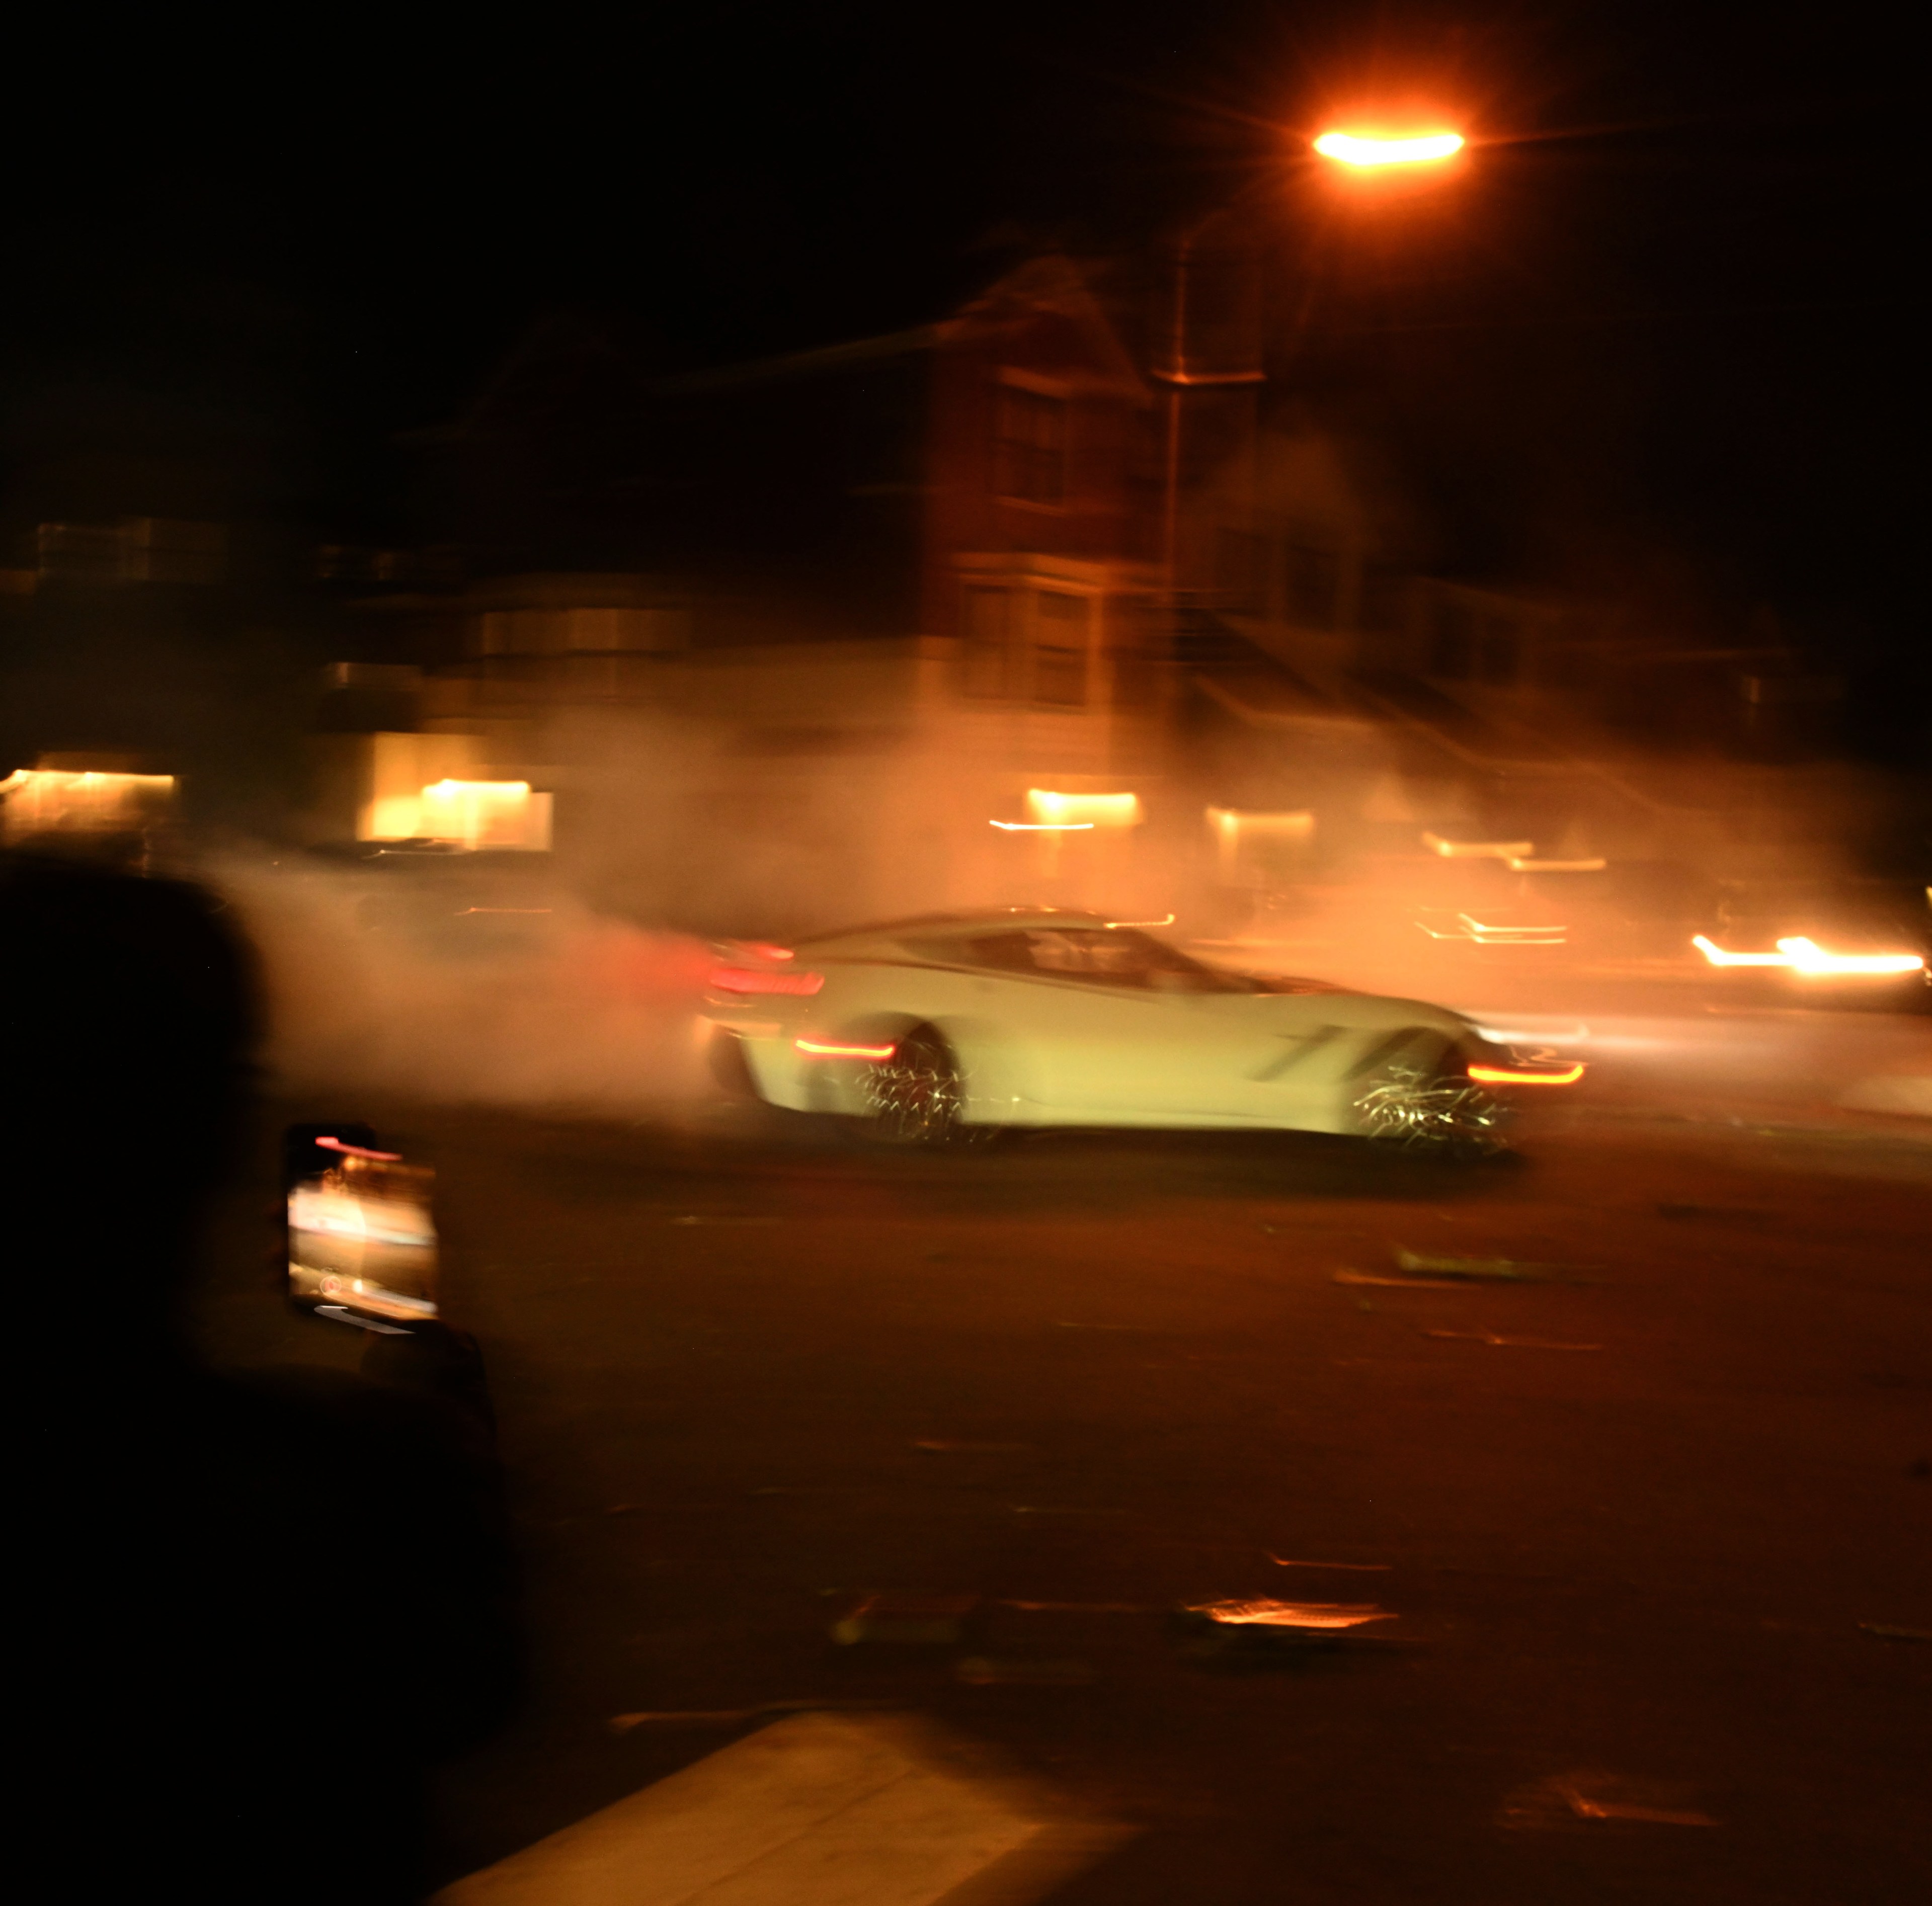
1184,371
1369,154
1368,162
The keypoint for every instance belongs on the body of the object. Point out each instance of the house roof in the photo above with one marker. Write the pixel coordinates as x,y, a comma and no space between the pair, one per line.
1055,284
1052,283
799,363
562,347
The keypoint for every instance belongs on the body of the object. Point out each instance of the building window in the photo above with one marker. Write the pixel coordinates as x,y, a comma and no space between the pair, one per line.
986,623
1031,449
1311,584
1499,657
1452,654
1385,599
1135,639
1060,649
137,549
1240,578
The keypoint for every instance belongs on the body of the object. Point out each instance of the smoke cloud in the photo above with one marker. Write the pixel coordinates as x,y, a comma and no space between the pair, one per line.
486,991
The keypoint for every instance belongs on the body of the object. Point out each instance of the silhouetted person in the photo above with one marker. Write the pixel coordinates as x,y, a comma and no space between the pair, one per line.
258,1611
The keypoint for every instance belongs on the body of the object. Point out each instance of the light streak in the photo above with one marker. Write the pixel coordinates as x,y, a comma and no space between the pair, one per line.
1046,805
1508,1075
1717,957
1298,825
745,979
1042,827
819,1049
1808,956
1353,1568
1165,920
359,1152
1353,149
1798,954
1192,377
90,798
1479,849
1518,863
1263,1613
1483,934
112,780
1488,936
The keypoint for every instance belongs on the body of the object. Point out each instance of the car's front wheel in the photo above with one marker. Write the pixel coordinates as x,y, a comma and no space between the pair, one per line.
1406,1104
917,1097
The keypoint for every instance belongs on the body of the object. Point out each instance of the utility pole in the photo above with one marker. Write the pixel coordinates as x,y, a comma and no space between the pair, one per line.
1212,343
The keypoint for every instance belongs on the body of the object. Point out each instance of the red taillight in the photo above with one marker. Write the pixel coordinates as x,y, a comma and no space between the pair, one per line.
1527,1075
752,979
820,1049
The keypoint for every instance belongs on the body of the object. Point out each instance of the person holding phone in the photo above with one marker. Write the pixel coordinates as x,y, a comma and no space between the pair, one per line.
261,1608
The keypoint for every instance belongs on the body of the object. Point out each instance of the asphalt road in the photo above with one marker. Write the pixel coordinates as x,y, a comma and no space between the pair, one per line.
1641,1522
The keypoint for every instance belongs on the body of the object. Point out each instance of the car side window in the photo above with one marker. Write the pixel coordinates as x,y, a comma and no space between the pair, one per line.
1083,953
1057,951
1007,952
1096,957
1099,956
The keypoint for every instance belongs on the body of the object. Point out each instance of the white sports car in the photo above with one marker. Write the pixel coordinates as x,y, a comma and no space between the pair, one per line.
950,1026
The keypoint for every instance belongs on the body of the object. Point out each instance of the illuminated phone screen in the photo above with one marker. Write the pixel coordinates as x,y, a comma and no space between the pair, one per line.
362,1241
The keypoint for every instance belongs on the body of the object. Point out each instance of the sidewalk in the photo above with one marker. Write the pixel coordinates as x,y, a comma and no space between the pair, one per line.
818,1810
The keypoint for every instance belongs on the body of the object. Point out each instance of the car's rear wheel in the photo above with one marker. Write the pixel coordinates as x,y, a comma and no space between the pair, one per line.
917,1097
1417,1100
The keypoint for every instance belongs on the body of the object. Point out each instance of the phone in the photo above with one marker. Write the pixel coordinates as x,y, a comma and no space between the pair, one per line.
362,1246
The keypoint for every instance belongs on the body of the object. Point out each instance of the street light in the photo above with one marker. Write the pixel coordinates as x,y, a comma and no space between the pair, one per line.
1361,149
1399,162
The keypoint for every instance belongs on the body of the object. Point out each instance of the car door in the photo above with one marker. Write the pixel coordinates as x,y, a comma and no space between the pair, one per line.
1105,1038
1301,1059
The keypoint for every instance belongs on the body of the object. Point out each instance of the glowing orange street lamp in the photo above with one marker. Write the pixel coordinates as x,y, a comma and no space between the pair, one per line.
1362,150
1392,158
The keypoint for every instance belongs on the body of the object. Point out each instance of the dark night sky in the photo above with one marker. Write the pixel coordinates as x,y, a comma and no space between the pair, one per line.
1671,290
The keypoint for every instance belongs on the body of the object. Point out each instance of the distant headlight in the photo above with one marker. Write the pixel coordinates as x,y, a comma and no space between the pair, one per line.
1799,954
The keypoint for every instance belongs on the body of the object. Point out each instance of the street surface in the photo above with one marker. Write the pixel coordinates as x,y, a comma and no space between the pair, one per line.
1655,1524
